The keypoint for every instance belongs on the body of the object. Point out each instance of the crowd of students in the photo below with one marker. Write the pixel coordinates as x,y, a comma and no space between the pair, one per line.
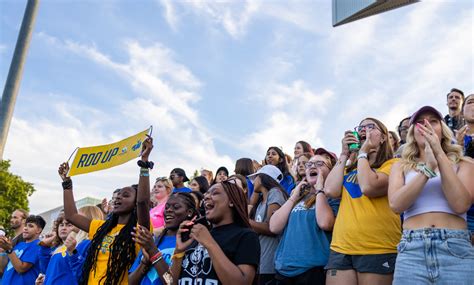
385,211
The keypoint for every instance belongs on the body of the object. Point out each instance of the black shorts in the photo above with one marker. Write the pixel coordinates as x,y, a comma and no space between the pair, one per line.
370,263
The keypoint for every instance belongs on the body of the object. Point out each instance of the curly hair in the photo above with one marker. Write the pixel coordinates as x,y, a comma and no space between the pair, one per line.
122,249
411,150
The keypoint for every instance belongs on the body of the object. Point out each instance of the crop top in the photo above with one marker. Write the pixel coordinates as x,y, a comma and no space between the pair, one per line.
431,198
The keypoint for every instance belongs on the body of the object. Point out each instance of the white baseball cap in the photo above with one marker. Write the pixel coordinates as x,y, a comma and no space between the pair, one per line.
269,170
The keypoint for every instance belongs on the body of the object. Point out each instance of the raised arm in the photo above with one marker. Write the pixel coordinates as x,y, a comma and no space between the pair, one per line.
455,185
324,214
18,265
143,195
279,219
70,210
335,178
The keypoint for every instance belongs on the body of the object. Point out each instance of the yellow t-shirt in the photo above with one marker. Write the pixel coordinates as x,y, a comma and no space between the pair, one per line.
365,225
104,253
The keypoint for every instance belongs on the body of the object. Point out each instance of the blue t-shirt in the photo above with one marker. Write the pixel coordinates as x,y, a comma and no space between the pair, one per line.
182,189
288,183
250,187
53,263
167,245
26,252
303,244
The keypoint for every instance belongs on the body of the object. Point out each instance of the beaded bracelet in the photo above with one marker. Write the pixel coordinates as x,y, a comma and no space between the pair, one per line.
145,164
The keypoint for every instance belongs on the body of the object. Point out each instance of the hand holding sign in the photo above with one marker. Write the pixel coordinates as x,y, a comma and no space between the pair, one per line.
147,147
63,170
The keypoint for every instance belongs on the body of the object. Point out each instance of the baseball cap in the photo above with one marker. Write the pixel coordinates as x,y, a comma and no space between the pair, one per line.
180,172
269,170
332,155
422,110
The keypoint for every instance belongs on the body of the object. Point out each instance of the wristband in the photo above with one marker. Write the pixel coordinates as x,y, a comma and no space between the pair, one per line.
157,257
362,155
9,251
320,191
425,170
145,164
67,184
144,172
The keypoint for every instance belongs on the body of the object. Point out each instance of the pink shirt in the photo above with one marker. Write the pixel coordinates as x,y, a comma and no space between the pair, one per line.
157,216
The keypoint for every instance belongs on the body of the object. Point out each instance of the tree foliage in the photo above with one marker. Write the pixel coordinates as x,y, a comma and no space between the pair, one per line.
14,193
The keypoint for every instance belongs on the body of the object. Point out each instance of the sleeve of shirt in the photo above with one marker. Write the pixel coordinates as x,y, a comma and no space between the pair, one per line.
76,261
248,250
31,253
95,225
334,204
387,166
136,263
276,197
44,258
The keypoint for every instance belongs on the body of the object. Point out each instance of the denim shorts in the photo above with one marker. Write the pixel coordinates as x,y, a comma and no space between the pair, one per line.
434,256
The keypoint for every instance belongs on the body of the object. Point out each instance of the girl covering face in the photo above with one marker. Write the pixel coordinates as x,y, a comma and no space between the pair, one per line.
433,186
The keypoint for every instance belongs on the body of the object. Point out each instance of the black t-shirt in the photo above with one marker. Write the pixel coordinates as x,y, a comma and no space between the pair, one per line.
239,244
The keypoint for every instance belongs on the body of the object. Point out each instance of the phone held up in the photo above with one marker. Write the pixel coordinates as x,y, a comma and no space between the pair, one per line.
201,220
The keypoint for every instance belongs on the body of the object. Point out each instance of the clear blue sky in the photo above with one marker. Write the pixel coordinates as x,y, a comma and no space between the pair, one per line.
218,81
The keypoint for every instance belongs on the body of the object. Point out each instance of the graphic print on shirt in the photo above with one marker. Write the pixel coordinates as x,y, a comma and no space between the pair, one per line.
18,253
107,242
352,185
198,263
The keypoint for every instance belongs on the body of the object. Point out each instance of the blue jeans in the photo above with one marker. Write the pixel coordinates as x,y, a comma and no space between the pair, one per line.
435,256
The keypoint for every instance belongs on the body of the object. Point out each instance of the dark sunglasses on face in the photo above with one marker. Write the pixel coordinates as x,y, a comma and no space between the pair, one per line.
172,176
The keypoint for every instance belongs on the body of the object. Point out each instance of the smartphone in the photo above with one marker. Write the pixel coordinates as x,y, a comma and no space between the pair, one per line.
201,220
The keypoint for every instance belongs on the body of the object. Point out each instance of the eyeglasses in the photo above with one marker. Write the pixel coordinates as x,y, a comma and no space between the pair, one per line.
172,176
161,178
369,127
319,163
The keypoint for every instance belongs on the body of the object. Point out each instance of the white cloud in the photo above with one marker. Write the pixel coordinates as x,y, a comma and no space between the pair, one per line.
292,112
166,91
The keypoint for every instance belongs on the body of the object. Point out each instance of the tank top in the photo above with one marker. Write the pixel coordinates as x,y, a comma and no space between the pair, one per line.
431,198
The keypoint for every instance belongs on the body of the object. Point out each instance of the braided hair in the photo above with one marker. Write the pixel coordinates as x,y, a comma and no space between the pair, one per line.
122,250
189,203
239,200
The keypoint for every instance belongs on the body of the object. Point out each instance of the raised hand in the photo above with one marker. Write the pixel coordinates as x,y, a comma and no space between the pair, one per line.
49,239
460,135
430,136
320,181
180,245
201,234
144,238
348,139
6,243
71,242
368,146
147,146
296,193
63,170
430,158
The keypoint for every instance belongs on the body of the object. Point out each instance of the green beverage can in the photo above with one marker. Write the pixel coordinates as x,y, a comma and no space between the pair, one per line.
353,147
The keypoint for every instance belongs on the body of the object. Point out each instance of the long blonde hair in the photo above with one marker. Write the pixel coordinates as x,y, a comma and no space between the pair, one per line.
93,213
411,150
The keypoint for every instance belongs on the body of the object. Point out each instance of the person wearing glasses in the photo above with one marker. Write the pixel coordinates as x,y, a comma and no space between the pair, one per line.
433,185
178,177
402,132
159,195
367,231
272,196
305,223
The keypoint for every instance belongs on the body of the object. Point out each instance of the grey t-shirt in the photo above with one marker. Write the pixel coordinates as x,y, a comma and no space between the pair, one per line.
268,244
